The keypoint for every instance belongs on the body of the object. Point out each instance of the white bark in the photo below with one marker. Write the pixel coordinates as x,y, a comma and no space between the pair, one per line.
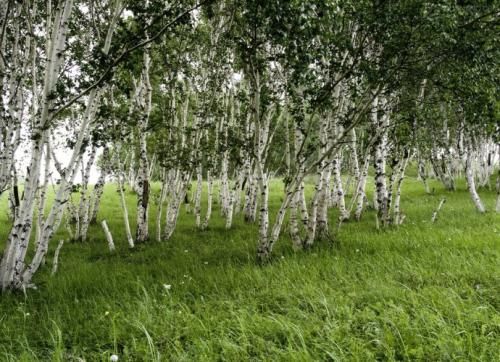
144,102
197,197
436,212
361,188
313,220
294,225
423,174
178,195
55,262
99,186
12,265
398,217
209,200
322,218
233,196
161,200
123,203
471,183
381,194
109,237
85,204
264,211
337,179
13,271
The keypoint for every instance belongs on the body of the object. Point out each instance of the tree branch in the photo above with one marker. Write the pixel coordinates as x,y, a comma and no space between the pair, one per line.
104,76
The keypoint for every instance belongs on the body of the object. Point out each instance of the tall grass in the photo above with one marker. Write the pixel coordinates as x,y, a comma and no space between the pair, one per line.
420,291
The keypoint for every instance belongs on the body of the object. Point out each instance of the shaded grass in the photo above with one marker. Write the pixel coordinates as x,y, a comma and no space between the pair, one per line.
420,291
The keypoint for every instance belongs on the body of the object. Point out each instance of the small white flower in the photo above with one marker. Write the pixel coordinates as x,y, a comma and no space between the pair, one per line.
27,314
113,358
206,263
167,286
185,250
106,313
357,250
282,257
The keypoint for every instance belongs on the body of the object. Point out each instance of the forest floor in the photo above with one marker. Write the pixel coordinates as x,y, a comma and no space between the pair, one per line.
420,291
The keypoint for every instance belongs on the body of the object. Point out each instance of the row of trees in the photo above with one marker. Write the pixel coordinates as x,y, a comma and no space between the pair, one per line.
237,92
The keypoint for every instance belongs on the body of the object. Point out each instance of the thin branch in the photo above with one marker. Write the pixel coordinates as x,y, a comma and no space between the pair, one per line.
104,76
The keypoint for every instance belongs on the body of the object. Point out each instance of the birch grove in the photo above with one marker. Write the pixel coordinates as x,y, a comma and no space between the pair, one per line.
198,109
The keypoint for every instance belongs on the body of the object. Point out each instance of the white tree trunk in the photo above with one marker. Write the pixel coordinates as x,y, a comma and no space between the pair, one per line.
85,204
12,265
340,197
436,212
471,183
381,194
209,200
294,225
13,271
123,204
161,200
175,203
55,262
109,237
263,215
233,196
313,214
99,186
144,106
361,188
322,223
398,217
197,195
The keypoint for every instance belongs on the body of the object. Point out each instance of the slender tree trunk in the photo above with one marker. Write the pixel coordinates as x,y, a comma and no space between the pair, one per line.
55,262
294,225
398,217
436,212
99,186
234,195
337,179
109,237
322,227
263,214
209,200
14,199
144,105
84,210
175,203
313,214
471,183
123,203
361,189
422,173
224,185
380,160
161,201
197,197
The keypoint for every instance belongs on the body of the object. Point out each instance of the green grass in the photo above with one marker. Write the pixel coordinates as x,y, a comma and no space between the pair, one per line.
421,291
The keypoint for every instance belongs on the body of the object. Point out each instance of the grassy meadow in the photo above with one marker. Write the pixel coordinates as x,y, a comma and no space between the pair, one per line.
417,292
